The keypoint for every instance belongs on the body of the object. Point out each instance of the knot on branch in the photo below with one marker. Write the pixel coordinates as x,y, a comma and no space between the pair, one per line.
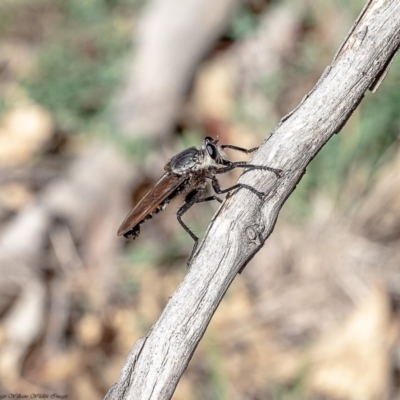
254,233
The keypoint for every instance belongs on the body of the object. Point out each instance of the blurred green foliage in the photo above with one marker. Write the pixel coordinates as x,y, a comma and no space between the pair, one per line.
81,46
244,23
217,388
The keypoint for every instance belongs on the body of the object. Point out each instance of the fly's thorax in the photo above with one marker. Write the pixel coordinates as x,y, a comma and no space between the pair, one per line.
183,162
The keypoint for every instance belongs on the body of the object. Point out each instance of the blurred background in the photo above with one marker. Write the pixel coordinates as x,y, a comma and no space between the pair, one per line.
95,96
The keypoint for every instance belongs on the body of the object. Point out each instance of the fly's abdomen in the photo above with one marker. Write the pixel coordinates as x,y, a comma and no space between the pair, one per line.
133,233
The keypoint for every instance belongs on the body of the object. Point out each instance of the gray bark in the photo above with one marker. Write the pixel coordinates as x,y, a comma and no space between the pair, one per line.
243,222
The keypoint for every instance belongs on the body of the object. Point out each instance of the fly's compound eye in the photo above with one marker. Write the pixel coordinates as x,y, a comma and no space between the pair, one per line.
208,139
212,151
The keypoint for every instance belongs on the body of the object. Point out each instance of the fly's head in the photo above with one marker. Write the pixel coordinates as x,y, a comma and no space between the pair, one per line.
212,154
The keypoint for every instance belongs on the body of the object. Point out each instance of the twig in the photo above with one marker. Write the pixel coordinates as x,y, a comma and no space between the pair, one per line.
243,223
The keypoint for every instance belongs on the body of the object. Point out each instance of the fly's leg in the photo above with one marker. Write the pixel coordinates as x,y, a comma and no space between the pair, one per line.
191,199
210,198
250,167
243,164
246,151
218,190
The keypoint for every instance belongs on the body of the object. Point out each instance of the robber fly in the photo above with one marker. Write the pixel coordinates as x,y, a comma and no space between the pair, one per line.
188,172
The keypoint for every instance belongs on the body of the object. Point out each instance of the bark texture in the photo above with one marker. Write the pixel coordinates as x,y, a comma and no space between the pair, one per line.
243,222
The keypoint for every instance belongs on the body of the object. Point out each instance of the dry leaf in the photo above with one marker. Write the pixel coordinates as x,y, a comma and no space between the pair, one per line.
214,93
23,132
14,196
353,361
90,330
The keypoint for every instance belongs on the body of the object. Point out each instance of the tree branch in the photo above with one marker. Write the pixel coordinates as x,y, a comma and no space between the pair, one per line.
243,223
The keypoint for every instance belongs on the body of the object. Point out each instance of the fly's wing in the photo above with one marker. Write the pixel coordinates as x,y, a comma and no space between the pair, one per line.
151,202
